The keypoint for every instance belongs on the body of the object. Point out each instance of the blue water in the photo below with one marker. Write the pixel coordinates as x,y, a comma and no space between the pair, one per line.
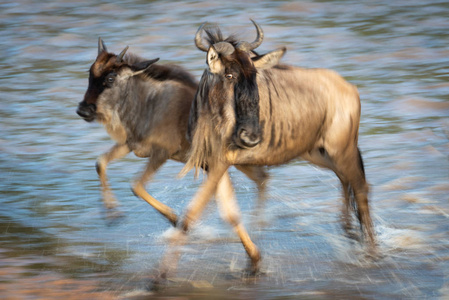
53,225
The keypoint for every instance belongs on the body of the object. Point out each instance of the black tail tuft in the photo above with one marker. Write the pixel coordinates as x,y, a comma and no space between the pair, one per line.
361,162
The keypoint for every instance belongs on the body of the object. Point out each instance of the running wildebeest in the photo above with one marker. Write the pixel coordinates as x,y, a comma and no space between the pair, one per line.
249,109
145,108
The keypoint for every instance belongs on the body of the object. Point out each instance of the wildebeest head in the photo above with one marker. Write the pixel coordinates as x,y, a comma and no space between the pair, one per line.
107,72
231,76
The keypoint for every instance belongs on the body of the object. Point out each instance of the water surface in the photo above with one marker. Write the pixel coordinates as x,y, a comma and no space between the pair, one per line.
58,241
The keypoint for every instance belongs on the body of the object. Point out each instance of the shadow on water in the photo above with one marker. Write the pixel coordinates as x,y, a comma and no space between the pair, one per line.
57,240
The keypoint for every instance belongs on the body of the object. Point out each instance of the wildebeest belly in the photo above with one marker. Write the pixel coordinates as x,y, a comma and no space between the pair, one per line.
173,148
260,156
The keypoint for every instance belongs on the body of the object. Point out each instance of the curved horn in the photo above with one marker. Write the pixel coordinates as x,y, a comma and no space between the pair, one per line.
120,56
198,40
259,37
101,46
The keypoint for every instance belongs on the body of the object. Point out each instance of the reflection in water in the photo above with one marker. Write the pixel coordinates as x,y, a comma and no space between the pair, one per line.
57,239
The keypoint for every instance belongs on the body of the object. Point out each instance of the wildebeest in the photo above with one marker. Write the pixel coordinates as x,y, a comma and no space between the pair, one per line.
250,109
144,107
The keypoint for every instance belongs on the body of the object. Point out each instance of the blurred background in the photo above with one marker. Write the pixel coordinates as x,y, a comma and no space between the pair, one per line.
57,240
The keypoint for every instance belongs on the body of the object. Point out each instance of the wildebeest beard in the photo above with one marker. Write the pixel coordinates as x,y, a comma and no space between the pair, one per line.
200,102
202,121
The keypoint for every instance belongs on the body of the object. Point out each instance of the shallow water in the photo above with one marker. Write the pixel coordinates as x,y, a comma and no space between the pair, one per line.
58,241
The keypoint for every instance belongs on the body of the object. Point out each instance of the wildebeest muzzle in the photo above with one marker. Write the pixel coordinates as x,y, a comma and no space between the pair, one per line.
87,111
247,136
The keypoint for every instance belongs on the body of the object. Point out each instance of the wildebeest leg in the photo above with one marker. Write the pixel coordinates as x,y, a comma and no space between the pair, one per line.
194,209
117,151
204,194
347,203
320,157
260,177
230,212
156,160
349,165
361,191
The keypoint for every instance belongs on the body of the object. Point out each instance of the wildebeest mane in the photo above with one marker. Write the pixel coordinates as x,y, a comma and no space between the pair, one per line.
163,72
214,35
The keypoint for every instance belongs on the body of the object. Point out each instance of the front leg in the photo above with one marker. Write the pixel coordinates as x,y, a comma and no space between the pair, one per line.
203,196
194,210
230,212
116,152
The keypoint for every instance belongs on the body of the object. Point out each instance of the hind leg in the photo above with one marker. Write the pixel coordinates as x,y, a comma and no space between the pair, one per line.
157,159
350,167
361,190
361,196
320,157
345,211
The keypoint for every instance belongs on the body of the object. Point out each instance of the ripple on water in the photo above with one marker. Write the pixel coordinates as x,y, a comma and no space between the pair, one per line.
56,234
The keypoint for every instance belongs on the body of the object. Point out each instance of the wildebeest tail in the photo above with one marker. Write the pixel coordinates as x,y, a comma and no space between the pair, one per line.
362,166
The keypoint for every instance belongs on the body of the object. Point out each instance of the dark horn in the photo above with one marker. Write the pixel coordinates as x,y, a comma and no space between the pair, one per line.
259,37
120,56
198,40
101,46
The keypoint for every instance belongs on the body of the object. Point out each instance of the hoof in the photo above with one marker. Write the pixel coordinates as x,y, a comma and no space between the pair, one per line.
253,268
157,282
109,200
110,204
113,216
252,272
373,253
353,236
173,219
350,232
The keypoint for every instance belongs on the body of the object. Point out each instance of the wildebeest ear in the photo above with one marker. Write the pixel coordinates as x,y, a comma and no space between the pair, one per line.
213,60
142,66
270,59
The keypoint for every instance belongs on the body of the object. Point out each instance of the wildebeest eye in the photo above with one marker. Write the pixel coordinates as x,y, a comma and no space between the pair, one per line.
110,78
229,76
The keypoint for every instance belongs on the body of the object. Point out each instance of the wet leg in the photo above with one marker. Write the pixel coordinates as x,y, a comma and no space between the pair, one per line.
194,210
363,212
203,196
230,212
157,159
116,152
350,167
321,157
345,211
260,177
